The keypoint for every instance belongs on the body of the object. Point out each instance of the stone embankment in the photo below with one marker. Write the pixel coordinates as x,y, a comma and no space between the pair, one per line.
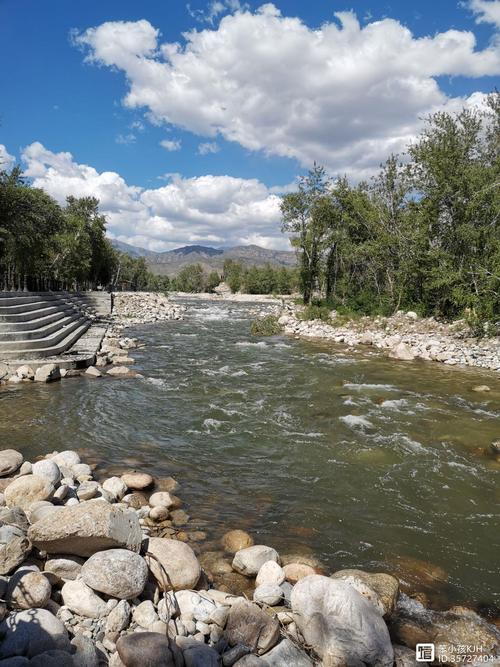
403,336
112,572
113,359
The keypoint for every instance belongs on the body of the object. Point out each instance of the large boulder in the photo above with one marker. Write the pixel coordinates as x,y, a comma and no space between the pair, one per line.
32,632
48,470
84,529
248,624
380,588
82,600
145,648
10,461
173,563
340,625
119,573
26,490
249,561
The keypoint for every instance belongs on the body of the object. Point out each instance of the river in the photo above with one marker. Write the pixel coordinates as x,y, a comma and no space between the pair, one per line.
363,461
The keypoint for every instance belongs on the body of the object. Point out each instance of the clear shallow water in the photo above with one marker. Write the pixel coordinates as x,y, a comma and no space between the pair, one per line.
363,461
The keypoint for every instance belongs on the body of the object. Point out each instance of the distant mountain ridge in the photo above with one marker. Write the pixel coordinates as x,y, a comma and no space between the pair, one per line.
171,262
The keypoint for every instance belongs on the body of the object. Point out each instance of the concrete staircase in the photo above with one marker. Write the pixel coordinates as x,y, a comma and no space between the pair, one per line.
35,325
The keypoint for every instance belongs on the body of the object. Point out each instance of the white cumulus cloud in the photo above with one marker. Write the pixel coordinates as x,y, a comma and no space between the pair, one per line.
7,161
487,11
219,210
343,94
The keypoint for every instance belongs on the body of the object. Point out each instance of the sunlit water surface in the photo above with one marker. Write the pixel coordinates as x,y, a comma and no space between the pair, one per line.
362,461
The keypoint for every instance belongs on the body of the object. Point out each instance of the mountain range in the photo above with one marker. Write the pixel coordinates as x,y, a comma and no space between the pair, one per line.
171,262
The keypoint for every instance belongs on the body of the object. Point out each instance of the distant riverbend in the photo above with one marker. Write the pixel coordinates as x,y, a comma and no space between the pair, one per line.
360,460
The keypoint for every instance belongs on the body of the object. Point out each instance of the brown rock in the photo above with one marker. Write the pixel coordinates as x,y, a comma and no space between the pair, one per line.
247,624
173,563
296,571
10,461
137,481
385,586
234,540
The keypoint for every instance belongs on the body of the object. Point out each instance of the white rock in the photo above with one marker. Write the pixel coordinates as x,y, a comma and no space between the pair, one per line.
340,624
115,486
173,563
47,469
66,459
249,561
144,614
82,600
270,594
270,573
118,573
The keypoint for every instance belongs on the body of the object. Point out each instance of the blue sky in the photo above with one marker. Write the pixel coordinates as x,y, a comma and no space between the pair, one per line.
260,92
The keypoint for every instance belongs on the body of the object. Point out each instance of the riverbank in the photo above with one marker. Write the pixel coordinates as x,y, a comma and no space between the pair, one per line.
404,337
129,309
112,572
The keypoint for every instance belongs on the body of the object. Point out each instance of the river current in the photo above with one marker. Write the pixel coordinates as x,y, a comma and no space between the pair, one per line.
313,448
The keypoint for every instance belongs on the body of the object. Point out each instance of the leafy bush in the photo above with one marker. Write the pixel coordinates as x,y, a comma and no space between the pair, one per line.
265,326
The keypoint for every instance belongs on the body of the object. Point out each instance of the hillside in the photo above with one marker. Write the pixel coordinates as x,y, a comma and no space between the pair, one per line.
172,261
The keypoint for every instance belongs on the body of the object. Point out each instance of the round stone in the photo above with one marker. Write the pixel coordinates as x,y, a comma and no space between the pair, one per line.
48,470
173,563
10,461
137,481
249,561
161,498
24,491
119,573
270,573
32,632
234,540
29,590
296,571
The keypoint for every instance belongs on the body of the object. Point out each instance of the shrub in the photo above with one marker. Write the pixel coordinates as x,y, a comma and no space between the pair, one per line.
265,326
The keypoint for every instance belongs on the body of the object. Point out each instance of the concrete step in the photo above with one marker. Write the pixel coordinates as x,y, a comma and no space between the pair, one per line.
28,307
50,350
20,298
31,314
36,323
20,334
51,340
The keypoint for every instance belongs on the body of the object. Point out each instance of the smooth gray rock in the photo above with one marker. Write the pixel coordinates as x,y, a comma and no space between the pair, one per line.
48,469
28,590
197,654
32,632
118,618
340,624
68,458
145,648
119,573
10,461
286,653
270,594
86,653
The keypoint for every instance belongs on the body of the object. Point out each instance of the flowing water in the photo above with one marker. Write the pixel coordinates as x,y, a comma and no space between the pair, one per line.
362,461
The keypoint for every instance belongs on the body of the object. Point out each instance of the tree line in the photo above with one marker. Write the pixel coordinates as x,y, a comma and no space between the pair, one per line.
423,234
267,279
47,246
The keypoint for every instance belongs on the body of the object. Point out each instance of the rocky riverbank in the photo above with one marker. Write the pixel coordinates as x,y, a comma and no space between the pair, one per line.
112,358
111,572
404,336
